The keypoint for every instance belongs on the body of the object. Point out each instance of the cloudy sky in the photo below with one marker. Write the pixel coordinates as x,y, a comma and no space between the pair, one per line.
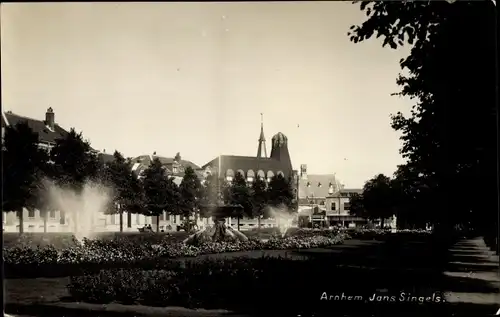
194,77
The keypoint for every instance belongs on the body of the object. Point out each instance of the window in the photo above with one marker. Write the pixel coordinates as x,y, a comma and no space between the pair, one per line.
52,214
18,214
162,216
322,203
129,220
31,213
347,206
333,206
62,219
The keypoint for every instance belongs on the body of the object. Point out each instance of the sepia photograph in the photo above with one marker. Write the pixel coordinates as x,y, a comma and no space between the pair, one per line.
288,158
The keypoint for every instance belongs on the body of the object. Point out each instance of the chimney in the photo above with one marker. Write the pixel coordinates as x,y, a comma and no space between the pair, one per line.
50,118
303,171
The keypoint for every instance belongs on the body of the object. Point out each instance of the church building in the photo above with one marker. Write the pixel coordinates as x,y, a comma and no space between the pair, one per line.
279,162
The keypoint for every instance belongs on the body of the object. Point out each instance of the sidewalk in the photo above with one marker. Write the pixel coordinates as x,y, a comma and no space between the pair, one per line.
473,274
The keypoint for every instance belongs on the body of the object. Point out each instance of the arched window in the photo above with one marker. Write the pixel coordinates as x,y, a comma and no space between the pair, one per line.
261,174
270,175
250,175
241,172
229,175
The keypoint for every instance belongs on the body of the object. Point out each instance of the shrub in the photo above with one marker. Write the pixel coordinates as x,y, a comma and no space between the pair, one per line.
234,284
22,261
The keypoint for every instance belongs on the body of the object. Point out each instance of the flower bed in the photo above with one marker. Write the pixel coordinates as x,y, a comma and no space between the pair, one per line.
23,260
62,240
239,284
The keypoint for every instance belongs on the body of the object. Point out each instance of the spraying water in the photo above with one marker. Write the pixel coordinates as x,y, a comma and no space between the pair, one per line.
82,209
284,218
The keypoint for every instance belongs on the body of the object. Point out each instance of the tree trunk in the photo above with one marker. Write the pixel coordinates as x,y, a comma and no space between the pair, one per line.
381,223
238,222
45,221
129,219
258,224
21,220
158,223
121,220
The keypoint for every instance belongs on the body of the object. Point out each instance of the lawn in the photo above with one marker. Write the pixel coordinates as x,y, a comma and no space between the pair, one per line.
387,267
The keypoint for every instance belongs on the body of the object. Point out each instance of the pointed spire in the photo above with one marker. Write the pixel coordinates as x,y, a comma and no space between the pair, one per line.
262,139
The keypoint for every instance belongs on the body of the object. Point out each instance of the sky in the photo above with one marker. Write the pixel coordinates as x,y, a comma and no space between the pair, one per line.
194,78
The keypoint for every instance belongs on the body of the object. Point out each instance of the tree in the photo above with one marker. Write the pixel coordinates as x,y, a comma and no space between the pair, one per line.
357,207
240,195
449,138
378,198
160,191
209,193
123,181
191,194
259,198
44,185
280,192
75,163
23,162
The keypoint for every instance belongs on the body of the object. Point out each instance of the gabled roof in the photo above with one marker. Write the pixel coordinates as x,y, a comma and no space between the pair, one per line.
142,162
147,159
247,163
38,126
314,190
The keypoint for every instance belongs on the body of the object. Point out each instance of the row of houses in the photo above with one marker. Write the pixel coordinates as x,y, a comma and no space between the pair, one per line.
313,192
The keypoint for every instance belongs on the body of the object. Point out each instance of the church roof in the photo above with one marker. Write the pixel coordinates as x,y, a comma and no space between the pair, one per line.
247,163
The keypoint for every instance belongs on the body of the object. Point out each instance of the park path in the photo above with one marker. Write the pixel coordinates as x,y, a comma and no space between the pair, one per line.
474,268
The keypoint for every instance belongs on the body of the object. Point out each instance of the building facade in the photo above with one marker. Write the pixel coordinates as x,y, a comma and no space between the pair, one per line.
338,209
49,131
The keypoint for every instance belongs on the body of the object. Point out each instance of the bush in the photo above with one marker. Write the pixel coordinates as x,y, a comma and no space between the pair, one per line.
234,283
23,261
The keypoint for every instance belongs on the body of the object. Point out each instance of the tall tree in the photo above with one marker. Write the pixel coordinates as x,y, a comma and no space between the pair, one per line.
209,194
240,195
357,207
378,198
75,163
450,135
44,183
259,198
23,162
122,180
280,192
160,191
191,194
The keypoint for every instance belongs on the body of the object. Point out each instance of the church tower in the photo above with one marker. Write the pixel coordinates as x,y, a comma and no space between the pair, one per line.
262,139
279,150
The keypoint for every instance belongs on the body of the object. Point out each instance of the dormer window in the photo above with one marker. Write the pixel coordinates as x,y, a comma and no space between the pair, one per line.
308,184
319,184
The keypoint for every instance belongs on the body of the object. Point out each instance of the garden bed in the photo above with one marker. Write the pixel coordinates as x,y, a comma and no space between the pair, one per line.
230,283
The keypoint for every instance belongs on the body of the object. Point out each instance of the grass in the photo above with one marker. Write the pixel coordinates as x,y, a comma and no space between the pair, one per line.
413,265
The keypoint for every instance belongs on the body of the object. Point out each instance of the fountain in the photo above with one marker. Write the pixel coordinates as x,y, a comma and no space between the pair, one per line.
284,219
219,231
83,208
